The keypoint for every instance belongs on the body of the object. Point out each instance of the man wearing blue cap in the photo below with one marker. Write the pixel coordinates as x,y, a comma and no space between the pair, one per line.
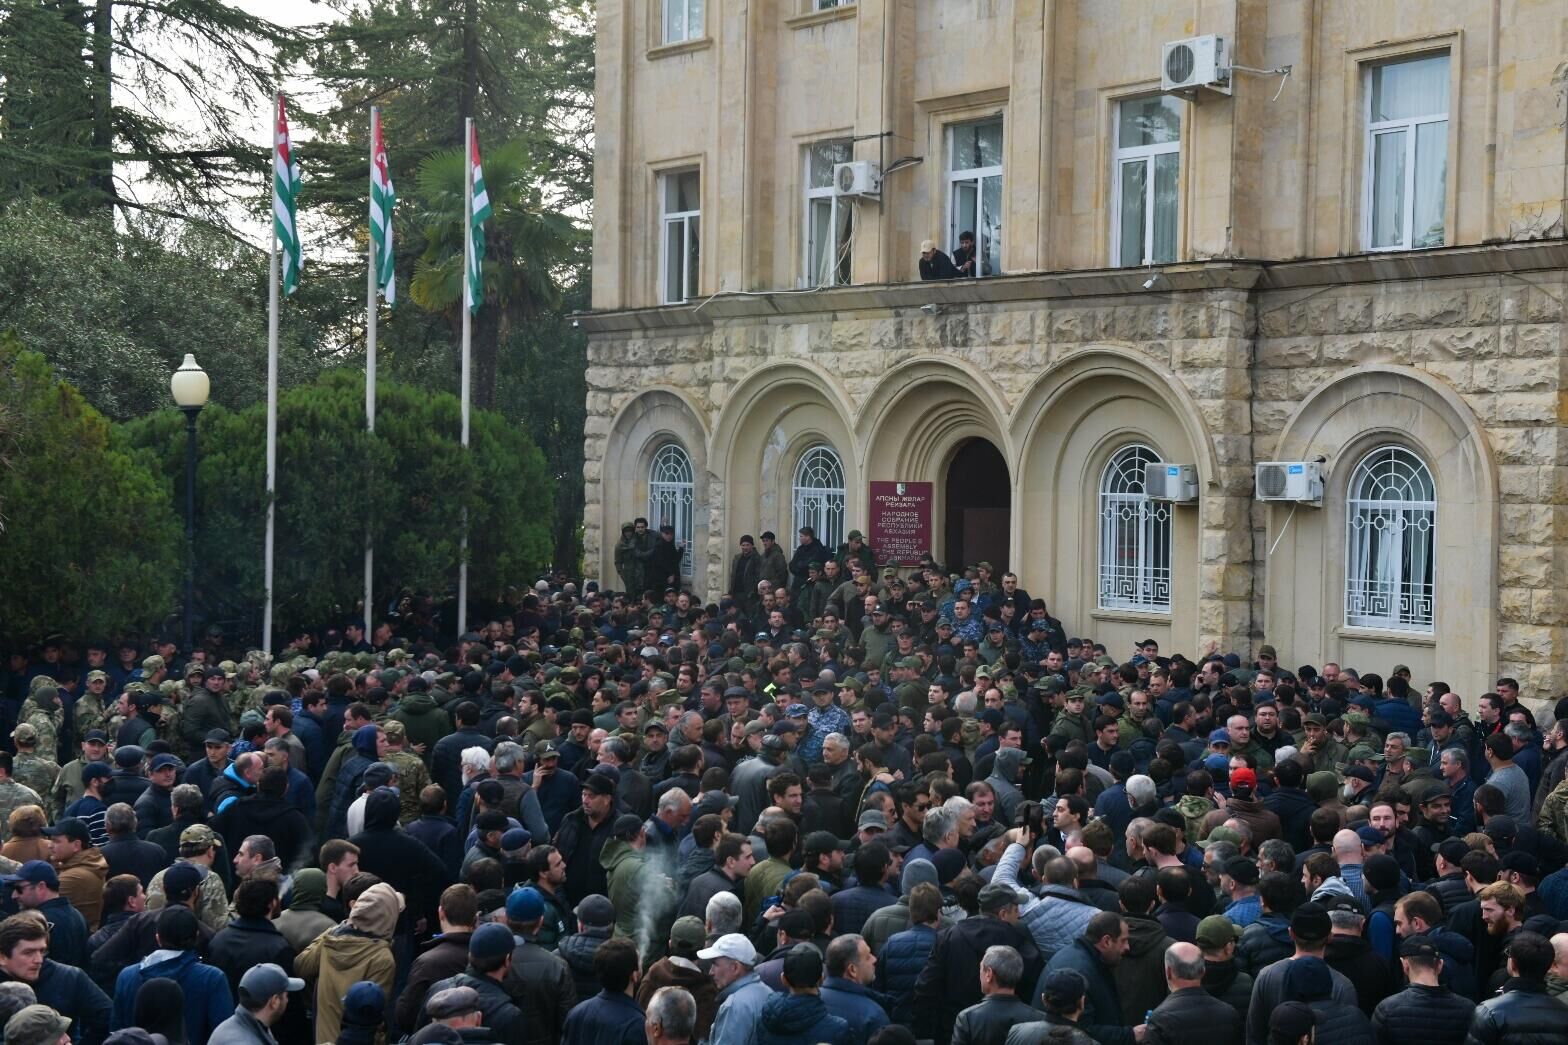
541,980
36,887
490,962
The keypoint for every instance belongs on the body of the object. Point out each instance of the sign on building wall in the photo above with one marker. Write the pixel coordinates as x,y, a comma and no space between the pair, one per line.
900,522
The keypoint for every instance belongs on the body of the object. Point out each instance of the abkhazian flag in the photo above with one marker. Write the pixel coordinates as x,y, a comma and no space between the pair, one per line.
285,189
478,214
382,199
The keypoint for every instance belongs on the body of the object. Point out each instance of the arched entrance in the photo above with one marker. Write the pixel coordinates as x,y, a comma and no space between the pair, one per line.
978,497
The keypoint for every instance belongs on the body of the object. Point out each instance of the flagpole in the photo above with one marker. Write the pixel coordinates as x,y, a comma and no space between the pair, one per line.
272,398
370,356
468,315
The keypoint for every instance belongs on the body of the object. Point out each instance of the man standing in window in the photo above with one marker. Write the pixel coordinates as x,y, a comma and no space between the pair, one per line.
964,256
934,264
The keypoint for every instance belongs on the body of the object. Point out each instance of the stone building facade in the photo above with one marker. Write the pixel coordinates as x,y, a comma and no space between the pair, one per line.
1290,301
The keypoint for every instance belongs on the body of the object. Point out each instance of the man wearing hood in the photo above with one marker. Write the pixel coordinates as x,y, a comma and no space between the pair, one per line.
208,1000
633,886
425,721
359,949
397,857
303,921
1004,781
369,743
799,1014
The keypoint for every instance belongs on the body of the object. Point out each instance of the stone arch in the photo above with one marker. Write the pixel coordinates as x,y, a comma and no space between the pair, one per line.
1067,426
1306,573
918,416
645,423
776,413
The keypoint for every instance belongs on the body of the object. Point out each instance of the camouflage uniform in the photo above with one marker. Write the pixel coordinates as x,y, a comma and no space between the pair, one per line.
31,768
412,776
88,714
14,795
212,899
43,712
166,716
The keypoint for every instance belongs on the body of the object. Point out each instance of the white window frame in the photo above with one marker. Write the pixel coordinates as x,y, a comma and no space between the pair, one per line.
672,496
1147,154
692,20
977,176
1140,582
1392,494
1411,125
819,494
687,219
840,205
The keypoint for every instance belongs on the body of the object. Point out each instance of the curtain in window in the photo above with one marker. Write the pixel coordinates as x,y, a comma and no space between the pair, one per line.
1391,517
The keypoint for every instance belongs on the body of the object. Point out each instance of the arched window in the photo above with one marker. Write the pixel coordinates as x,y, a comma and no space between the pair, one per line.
819,494
670,496
1391,517
1135,537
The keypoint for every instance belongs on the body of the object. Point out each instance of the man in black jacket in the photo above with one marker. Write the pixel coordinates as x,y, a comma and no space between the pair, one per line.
268,812
948,985
250,938
1189,1012
540,982
446,758
662,560
400,859
1524,1012
989,1022
1426,1011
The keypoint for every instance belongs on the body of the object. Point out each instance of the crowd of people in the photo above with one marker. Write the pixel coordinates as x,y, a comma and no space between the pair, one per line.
842,803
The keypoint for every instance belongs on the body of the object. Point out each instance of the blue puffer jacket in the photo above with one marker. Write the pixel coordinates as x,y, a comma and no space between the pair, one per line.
207,998
1264,942
791,1019
1400,716
899,965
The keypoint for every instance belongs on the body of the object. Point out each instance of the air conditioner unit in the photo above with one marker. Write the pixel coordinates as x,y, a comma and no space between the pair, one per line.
1298,481
1187,65
859,178
1170,482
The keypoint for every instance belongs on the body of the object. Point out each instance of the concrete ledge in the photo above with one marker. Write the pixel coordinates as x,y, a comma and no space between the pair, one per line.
870,299
810,19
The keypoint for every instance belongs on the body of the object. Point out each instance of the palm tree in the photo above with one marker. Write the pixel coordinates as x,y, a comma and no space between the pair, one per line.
525,247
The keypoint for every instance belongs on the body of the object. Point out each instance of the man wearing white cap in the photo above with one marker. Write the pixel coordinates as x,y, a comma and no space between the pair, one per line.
741,991
934,264
264,994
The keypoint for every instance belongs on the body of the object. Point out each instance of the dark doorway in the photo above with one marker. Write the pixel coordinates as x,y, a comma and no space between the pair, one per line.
979,498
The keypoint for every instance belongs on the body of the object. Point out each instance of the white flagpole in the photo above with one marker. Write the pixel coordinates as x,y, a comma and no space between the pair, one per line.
370,355
272,394
468,249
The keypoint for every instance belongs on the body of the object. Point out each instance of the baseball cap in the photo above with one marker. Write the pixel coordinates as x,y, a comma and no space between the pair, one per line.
1452,850
36,1025
71,827
733,946
525,905
1521,862
515,839
1221,834
1501,829
266,980
218,736
1418,947
626,826
181,880
803,966
595,909
1066,985
823,842
1361,773
599,783
491,940
1243,777
163,762
199,835
1370,836
34,872
1220,736
689,932
546,749
1216,931
93,770
797,711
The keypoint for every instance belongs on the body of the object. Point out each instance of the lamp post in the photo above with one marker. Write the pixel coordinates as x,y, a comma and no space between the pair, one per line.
190,386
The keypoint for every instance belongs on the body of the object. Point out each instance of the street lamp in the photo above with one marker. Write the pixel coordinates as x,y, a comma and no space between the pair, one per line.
190,386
